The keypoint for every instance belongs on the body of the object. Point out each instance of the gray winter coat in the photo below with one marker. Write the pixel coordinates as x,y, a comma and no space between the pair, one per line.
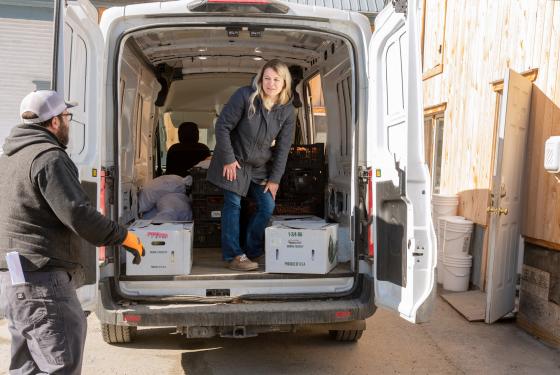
43,209
248,140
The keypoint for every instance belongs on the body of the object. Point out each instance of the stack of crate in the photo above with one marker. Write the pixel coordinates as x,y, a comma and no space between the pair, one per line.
207,202
302,188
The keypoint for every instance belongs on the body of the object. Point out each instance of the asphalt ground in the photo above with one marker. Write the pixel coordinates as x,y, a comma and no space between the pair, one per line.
390,345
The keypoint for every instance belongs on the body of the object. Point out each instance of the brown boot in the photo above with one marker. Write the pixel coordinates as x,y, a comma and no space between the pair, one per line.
242,263
260,260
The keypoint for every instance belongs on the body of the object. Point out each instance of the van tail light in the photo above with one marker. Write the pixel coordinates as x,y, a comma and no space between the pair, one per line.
343,314
102,251
239,6
101,207
131,318
370,198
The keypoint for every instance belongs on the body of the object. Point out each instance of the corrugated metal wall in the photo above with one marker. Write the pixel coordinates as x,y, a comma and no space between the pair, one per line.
26,45
366,6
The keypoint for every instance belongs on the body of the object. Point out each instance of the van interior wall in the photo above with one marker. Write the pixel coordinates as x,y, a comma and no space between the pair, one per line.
199,98
138,92
336,80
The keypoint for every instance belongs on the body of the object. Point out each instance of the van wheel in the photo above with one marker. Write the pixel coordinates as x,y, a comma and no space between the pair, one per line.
346,335
114,334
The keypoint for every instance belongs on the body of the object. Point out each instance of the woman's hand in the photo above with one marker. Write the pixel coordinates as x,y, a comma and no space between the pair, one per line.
272,187
230,171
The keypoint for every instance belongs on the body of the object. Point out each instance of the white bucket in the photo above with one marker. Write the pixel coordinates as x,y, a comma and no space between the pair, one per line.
456,236
440,228
456,273
467,259
439,268
445,197
443,205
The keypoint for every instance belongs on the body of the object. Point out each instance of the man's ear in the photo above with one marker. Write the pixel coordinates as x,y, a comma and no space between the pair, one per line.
55,123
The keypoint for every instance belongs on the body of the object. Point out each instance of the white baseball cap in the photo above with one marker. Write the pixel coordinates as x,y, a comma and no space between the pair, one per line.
46,104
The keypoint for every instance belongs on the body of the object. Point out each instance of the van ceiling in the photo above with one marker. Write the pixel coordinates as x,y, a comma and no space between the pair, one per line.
198,50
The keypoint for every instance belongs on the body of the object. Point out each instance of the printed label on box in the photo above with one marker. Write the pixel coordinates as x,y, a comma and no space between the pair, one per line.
306,247
168,249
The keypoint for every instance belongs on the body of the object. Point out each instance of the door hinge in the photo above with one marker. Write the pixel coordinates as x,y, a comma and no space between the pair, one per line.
400,6
109,171
109,182
363,174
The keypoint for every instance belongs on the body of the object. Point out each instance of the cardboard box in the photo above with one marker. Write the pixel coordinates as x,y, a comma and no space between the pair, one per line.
302,246
168,248
289,219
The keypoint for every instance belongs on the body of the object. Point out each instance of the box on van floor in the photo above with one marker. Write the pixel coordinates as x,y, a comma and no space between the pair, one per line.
301,246
168,248
289,219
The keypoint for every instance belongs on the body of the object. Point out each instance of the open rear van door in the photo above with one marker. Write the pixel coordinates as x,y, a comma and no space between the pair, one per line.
402,235
78,70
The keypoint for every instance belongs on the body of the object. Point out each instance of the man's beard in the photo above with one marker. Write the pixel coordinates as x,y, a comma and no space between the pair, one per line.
63,135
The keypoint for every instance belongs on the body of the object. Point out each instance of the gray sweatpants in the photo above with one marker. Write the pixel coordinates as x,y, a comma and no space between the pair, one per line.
46,321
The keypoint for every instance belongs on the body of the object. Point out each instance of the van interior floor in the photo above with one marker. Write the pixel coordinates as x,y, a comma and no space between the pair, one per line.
208,263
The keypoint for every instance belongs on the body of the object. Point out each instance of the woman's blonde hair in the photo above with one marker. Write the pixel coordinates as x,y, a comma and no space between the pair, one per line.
282,70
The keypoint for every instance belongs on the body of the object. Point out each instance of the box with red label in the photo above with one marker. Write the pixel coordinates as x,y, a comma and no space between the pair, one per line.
168,248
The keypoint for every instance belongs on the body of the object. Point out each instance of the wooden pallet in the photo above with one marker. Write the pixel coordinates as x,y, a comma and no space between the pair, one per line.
471,304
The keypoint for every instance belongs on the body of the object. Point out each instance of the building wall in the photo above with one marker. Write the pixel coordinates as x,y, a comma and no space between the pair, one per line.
26,44
539,297
481,40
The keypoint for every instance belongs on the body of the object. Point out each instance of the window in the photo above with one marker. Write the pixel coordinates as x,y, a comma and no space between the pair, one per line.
433,143
139,125
395,78
318,112
498,87
75,88
433,37
345,114
395,82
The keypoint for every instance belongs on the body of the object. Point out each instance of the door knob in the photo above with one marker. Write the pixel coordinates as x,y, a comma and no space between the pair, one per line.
497,210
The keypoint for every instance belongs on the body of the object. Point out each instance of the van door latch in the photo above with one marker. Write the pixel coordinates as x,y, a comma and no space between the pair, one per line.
400,6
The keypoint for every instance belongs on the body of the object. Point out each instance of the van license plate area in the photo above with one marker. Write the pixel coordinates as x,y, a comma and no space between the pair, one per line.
217,292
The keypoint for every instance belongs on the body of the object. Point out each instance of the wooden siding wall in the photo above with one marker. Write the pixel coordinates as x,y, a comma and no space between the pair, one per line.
483,38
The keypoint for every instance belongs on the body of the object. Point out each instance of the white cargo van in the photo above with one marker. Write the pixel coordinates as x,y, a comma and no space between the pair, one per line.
144,67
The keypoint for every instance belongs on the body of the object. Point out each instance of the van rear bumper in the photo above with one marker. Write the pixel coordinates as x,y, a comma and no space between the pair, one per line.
357,306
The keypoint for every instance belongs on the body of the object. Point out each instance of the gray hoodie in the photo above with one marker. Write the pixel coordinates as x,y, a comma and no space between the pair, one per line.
43,209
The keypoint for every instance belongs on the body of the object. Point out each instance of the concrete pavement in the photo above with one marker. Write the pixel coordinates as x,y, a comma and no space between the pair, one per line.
447,345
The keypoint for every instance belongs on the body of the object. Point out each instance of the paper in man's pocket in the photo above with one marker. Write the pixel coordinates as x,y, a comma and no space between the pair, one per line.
14,266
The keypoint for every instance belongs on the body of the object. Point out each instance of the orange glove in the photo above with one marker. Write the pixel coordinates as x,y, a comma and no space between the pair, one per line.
133,245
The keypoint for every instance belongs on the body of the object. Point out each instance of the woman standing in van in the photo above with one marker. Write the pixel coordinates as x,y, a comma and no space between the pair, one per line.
245,163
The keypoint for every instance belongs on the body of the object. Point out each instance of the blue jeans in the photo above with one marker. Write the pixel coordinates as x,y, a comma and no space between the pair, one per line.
254,243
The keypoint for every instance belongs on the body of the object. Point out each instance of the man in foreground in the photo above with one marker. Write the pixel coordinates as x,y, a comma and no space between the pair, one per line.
43,213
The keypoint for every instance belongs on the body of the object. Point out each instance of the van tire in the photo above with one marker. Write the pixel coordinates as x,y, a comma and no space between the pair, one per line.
346,335
114,334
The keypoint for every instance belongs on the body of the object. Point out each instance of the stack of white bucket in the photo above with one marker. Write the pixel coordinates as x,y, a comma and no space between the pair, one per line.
455,240
453,235
442,205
